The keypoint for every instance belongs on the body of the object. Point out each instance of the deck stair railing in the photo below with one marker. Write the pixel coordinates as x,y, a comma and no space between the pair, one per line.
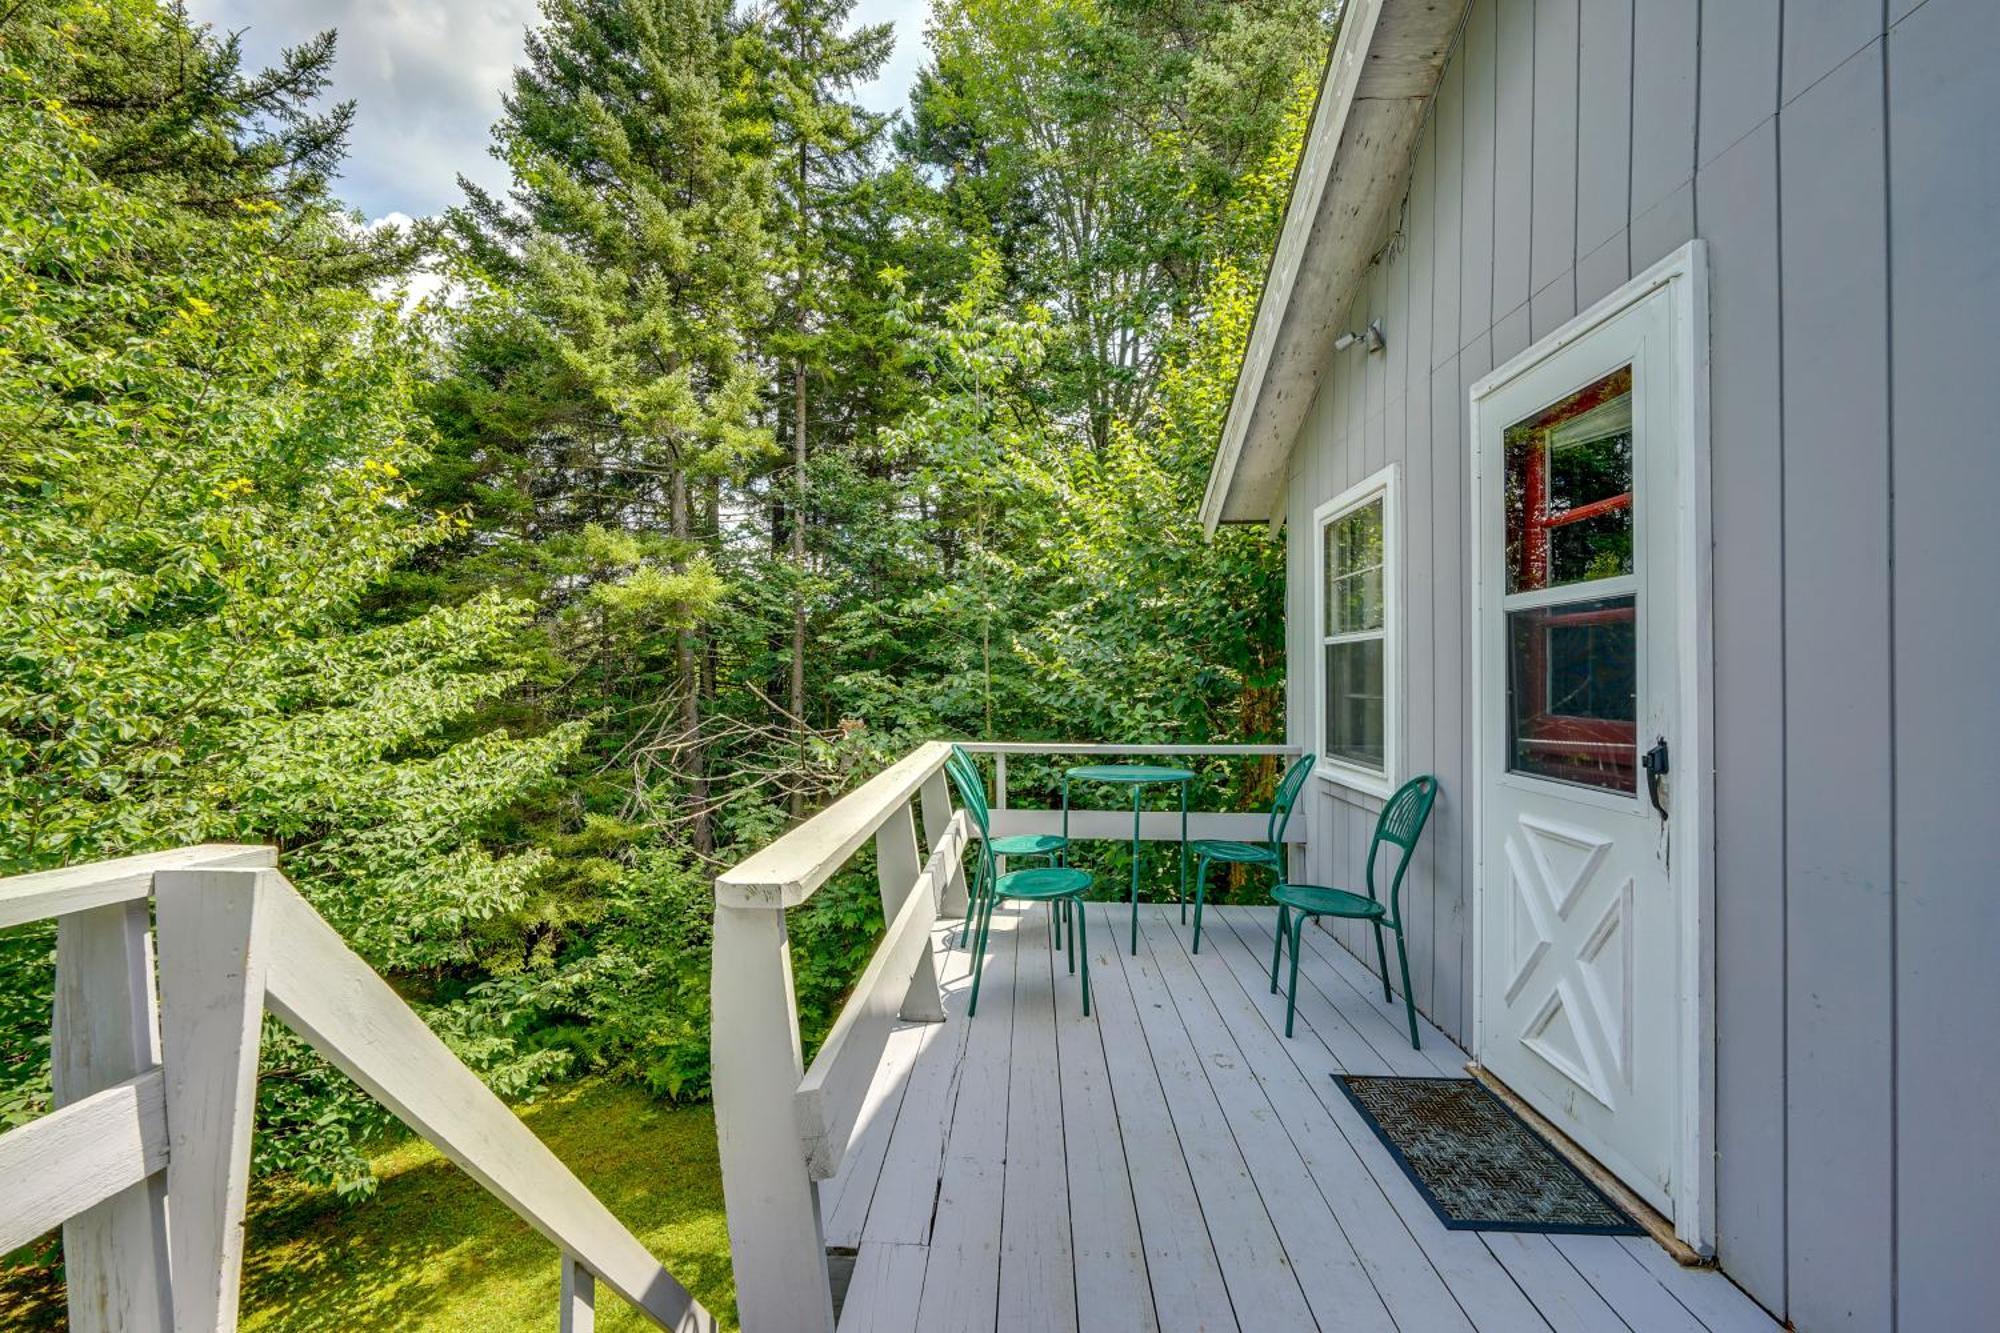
165,964
783,1127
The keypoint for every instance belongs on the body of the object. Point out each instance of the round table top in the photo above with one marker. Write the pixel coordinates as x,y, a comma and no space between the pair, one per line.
1132,773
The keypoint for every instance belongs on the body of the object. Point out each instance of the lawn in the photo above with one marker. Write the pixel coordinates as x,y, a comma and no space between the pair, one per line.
433,1251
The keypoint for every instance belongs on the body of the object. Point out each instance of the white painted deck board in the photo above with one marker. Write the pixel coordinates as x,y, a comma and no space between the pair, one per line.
1173,1162
962,1277
1037,1270
1263,1285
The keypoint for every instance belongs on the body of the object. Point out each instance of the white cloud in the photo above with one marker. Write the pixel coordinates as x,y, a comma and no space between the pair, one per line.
428,79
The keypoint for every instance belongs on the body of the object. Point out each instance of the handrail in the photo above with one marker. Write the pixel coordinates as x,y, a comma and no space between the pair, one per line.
790,869
156,1089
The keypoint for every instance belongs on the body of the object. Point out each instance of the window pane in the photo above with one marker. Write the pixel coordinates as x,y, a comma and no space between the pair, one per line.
1354,731
1569,488
1354,570
1573,693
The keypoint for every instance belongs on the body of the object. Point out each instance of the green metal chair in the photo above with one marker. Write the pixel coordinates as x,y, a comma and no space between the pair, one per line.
1270,852
1401,824
1061,887
1052,845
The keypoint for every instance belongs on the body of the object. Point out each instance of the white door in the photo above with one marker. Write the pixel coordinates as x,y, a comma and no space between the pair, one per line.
1585,644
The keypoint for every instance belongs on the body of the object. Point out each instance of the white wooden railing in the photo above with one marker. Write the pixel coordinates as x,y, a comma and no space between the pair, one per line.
783,1127
145,1160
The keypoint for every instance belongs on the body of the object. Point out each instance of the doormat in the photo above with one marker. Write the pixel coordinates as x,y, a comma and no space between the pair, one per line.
1478,1164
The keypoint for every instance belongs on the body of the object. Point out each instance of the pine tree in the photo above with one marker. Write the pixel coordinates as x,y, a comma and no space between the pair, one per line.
824,148
632,240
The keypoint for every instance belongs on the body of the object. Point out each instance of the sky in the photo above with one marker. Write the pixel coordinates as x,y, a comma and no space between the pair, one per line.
428,78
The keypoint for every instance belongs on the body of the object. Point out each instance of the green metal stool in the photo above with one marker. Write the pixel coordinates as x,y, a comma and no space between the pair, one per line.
1270,852
1400,824
1061,887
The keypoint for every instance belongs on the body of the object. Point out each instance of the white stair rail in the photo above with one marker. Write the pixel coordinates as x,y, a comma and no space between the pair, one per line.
145,1160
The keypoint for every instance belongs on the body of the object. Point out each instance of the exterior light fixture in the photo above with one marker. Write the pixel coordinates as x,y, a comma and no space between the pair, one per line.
1371,337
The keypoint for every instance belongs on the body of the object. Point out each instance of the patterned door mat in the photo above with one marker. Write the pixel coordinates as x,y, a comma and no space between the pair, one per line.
1477,1163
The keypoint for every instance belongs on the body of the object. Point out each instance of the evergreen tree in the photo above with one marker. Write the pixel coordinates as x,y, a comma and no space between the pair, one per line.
203,442
824,149
632,245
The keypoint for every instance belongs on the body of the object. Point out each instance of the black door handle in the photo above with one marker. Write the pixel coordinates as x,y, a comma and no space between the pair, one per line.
1655,762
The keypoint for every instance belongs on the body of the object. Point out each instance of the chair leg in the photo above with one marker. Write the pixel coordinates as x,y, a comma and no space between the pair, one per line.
1409,1001
1200,888
1382,956
1080,936
1278,944
1292,993
979,955
1055,922
1069,932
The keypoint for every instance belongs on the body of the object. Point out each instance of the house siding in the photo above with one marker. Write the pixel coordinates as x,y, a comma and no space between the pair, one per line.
1837,159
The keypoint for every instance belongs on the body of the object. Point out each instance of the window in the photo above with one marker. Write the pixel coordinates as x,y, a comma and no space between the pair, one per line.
1357,666
1571,601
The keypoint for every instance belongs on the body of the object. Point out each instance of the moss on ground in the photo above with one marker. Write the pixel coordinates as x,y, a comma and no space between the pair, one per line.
434,1251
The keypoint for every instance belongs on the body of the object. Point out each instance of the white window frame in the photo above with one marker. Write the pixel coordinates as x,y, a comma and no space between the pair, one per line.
1332,769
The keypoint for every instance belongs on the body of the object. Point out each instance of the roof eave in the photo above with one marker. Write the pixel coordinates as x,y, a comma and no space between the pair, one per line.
1372,103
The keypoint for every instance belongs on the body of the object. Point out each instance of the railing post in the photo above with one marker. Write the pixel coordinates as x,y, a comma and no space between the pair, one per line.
896,871
775,1234
115,1254
579,1297
211,1007
937,819
1000,797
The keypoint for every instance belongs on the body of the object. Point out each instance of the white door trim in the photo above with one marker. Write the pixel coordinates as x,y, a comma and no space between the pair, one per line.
1684,276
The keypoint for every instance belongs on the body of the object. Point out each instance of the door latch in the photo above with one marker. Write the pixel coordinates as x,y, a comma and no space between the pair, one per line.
1655,762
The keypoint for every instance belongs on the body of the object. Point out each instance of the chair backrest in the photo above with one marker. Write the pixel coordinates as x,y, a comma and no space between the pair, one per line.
1284,799
1400,825
972,795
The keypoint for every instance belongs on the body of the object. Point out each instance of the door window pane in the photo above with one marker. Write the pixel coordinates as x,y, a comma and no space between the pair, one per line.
1354,730
1569,488
1573,693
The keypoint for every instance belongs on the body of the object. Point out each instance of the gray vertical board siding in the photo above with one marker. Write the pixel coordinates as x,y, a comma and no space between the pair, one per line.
1442,883
1448,129
1552,239
1475,234
1665,62
1603,270
1421,260
1421,553
1663,228
1944,192
1740,224
1820,36
1739,72
1513,152
1837,720
1604,136
1849,903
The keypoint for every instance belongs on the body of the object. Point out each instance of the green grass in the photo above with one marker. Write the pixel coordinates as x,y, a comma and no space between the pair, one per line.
434,1251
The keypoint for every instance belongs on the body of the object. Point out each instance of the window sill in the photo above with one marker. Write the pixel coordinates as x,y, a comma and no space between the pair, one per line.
1349,784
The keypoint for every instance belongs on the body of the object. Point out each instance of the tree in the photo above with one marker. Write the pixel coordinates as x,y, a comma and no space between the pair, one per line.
202,446
824,146
1098,146
632,243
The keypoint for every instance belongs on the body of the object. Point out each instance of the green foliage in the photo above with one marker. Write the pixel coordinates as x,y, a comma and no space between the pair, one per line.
488,615
434,1251
203,445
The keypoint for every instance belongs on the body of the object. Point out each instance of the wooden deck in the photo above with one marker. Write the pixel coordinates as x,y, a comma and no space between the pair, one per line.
1172,1162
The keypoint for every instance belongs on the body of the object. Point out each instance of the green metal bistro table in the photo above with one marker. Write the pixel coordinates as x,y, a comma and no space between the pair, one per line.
1137,777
